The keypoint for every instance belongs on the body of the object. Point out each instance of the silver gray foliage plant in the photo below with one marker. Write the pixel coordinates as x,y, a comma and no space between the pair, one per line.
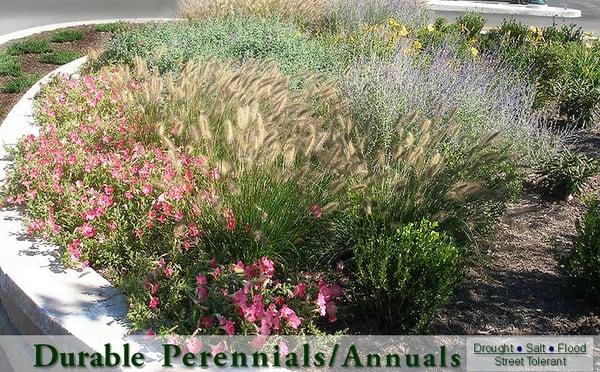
352,13
481,96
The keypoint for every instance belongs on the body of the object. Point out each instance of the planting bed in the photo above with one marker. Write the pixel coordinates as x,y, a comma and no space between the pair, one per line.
334,167
42,53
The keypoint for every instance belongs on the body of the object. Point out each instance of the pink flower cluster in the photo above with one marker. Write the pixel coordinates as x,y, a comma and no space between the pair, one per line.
98,181
256,302
92,164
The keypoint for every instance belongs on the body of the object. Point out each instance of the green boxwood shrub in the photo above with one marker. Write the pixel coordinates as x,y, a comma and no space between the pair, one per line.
583,263
470,24
406,274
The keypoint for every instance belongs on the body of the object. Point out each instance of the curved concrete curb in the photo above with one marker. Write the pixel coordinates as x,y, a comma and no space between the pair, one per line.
502,8
36,30
39,294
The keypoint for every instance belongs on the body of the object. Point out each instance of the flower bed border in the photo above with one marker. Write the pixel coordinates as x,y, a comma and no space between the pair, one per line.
39,295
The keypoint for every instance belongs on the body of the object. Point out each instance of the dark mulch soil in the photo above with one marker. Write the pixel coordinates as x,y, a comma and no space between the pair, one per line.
30,65
518,286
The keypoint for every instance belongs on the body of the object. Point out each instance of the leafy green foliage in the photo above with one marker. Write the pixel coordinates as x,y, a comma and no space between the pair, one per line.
166,46
9,65
406,274
566,173
576,88
583,263
565,69
64,36
563,34
19,84
470,24
59,58
114,27
29,47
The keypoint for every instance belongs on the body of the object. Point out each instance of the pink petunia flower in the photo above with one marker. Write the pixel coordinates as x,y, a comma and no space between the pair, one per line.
202,293
300,290
168,271
321,304
206,322
229,327
201,279
147,189
290,316
194,345
266,266
88,230
316,211
154,302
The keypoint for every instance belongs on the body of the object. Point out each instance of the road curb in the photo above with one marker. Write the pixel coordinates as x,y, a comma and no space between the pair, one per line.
40,295
502,8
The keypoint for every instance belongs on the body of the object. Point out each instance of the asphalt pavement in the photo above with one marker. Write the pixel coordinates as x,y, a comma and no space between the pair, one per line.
20,14
589,21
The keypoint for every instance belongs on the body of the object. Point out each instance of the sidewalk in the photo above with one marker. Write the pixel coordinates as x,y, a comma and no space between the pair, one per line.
502,8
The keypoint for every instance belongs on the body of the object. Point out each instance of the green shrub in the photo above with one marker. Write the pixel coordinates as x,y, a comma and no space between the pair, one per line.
20,84
567,76
29,47
59,58
583,263
562,34
9,65
114,27
564,69
166,46
406,274
576,90
511,32
565,174
64,36
470,24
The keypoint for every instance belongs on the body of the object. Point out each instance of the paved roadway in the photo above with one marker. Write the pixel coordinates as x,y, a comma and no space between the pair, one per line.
19,14
589,21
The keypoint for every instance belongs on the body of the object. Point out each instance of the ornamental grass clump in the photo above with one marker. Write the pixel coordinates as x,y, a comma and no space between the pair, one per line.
483,137
150,178
274,154
302,11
